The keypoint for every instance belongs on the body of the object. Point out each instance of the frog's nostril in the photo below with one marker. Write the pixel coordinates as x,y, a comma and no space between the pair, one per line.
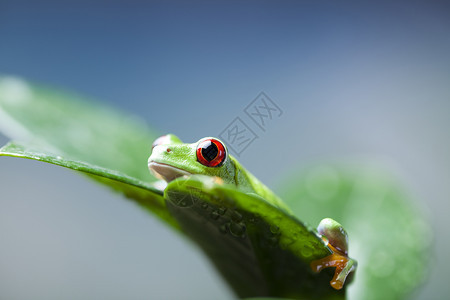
168,150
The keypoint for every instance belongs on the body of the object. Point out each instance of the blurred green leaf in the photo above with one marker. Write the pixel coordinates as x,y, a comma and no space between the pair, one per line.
259,249
80,129
145,194
388,235
72,132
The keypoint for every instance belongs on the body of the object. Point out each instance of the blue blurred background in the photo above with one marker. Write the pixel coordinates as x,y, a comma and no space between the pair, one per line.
353,80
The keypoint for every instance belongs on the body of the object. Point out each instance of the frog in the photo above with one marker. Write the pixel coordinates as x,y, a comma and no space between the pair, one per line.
171,158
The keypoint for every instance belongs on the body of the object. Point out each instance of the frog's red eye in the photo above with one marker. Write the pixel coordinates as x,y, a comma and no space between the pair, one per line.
164,139
211,153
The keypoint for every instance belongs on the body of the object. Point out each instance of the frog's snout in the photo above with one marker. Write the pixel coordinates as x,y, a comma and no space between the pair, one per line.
160,166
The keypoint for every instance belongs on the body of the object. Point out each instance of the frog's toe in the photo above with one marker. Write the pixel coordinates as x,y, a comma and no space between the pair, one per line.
343,264
340,275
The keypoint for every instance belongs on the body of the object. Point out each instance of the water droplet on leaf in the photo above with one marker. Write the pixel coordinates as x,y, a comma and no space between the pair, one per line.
238,229
223,228
215,215
274,229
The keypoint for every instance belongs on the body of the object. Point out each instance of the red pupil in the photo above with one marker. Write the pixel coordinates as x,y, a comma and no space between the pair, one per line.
209,150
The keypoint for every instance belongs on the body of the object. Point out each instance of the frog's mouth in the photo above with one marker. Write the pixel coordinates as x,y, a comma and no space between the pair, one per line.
166,172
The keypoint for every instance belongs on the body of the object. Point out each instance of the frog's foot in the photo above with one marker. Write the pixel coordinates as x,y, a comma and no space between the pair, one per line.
343,264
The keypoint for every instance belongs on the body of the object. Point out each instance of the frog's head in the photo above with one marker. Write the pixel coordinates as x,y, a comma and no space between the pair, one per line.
172,158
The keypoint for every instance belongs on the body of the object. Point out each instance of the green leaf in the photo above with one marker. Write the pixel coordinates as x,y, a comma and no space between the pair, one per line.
75,127
72,132
145,194
387,233
259,249
267,298
271,298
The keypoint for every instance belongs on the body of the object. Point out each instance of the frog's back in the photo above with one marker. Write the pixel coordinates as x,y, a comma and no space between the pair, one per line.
247,182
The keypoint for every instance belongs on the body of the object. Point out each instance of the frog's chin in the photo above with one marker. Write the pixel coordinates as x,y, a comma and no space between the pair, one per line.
165,171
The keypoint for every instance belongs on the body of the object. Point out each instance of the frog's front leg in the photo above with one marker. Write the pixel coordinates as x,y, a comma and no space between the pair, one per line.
337,240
